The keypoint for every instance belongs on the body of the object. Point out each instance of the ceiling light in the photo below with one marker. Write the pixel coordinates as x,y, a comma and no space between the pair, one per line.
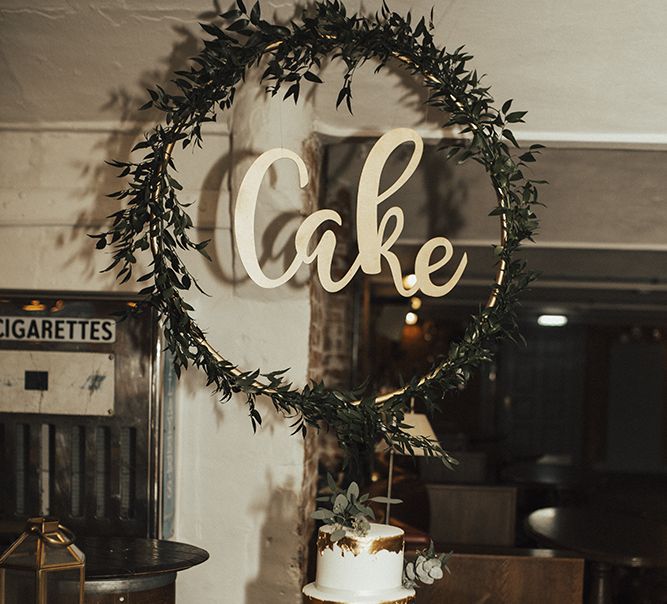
411,318
552,320
409,281
34,306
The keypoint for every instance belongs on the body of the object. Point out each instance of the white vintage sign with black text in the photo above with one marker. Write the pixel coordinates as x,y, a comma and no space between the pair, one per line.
57,329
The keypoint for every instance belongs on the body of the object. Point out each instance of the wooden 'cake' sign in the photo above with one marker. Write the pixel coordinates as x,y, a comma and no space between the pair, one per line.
374,238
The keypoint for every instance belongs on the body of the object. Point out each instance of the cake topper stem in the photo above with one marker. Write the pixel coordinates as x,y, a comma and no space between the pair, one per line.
389,481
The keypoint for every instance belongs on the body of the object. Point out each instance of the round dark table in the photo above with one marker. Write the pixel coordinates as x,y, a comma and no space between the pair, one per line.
553,484
128,569
547,475
138,570
109,557
604,538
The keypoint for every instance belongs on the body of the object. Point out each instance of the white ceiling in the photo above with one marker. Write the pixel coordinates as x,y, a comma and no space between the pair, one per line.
586,71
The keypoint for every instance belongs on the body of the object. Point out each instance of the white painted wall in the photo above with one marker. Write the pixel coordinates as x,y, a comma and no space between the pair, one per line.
243,496
238,495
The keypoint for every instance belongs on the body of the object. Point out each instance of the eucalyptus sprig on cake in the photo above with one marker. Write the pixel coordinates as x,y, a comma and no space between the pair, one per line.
427,568
348,510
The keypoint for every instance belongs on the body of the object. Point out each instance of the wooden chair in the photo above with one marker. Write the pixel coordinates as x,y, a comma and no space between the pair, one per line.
472,514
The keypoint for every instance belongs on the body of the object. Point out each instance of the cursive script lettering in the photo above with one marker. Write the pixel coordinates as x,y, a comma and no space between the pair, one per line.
374,239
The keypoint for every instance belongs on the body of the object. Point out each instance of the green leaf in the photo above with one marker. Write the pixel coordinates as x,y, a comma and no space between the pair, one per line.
341,97
340,503
510,137
145,277
337,535
256,13
211,29
331,482
311,77
515,116
293,90
239,25
322,514
382,499
231,14
174,183
141,145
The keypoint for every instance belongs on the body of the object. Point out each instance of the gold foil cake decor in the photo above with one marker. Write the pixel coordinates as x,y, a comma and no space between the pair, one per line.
358,569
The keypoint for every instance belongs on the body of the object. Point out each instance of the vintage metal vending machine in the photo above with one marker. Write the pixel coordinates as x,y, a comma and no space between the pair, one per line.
86,415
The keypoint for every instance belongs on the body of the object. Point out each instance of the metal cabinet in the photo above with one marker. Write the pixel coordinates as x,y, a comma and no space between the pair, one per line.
86,415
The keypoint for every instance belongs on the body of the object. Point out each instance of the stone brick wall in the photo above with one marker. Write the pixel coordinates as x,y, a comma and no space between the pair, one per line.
332,324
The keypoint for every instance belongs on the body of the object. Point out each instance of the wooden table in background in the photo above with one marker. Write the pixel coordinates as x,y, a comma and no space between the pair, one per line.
605,539
558,483
546,475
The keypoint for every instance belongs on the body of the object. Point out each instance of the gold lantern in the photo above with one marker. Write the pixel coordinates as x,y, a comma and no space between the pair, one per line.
43,566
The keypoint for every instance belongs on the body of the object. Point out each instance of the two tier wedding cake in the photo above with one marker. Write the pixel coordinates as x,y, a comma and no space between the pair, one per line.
359,570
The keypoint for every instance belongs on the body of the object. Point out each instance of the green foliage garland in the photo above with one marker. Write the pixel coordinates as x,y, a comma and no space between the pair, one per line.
154,221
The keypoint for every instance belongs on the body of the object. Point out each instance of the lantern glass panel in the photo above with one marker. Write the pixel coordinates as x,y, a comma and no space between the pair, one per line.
25,555
20,586
57,555
63,587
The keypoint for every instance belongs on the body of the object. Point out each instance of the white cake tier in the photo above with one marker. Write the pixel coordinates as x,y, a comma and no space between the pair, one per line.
399,595
360,565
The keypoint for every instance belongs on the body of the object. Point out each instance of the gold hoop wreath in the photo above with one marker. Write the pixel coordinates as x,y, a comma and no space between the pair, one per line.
153,220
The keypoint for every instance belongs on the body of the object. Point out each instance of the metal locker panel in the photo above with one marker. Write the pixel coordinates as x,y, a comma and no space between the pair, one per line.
82,436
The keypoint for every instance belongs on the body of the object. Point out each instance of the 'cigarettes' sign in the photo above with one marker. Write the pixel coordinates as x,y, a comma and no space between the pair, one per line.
51,329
